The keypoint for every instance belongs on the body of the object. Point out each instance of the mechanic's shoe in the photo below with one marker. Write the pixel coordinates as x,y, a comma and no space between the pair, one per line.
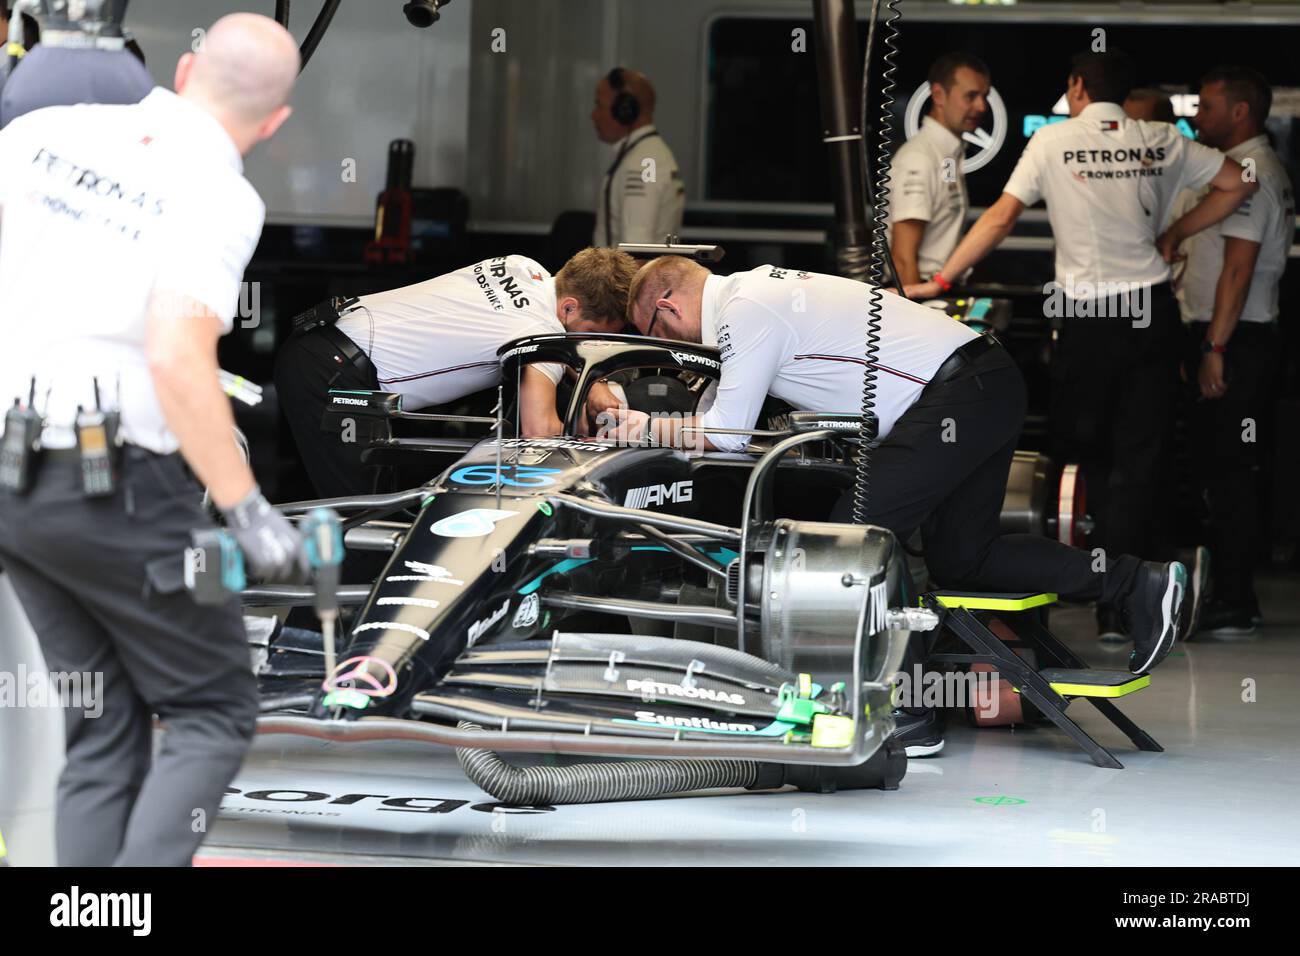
1153,612
1110,626
1198,566
1223,621
921,735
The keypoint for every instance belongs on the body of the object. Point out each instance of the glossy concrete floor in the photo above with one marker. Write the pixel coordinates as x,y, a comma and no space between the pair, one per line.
1223,792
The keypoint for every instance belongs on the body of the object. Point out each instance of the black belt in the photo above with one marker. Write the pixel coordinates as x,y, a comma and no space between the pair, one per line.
963,356
352,353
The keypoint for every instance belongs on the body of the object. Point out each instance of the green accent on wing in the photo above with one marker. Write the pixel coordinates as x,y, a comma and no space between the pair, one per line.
346,697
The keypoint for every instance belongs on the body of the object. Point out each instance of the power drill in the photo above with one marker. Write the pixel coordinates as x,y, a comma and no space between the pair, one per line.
322,533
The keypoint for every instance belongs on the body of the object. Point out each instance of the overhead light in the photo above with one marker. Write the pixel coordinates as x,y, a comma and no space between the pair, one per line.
423,13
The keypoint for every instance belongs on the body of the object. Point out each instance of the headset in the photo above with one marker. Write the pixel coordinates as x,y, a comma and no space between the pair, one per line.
625,109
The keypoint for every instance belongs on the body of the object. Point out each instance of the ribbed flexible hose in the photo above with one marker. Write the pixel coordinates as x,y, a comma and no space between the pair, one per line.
879,252
598,782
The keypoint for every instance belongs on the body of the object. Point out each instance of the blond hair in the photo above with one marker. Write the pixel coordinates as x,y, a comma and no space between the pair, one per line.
599,279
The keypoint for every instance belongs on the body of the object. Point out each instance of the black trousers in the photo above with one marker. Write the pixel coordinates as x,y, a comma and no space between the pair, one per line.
306,368
1227,434
100,582
1114,399
943,468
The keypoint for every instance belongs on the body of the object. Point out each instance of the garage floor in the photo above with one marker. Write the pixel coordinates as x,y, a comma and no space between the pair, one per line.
1223,791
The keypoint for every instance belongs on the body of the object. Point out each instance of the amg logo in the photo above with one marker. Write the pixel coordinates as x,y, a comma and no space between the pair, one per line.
693,723
338,400
684,357
650,495
652,689
479,628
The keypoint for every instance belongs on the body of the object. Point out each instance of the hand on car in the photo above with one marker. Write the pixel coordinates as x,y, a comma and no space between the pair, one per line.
627,426
918,291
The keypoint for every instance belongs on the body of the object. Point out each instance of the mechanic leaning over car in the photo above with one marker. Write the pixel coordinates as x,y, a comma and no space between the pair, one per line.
927,197
949,406
124,236
1109,183
435,342
1228,294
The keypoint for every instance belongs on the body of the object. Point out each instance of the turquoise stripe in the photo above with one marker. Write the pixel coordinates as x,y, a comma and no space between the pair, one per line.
722,556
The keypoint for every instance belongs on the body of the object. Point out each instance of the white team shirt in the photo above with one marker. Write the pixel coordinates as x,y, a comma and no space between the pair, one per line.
927,183
646,194
1267,217
1097,172
101,206
437,340
802,337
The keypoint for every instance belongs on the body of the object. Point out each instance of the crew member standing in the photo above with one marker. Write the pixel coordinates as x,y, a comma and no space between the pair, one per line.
125,234
927,200
642,196
1228,293
1109,182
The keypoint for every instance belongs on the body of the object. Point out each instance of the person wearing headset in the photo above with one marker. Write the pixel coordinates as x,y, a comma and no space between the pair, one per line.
1109,183
642,195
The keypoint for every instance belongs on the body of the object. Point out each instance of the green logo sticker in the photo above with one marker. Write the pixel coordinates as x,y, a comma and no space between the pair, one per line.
1000,801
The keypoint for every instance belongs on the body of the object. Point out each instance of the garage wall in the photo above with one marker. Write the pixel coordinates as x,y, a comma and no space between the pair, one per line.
375,78
510,126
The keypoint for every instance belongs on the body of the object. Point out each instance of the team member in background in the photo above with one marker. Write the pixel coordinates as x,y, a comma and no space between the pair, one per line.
1228,293
1109,183
1149,104
642,195
124,238
436,341
927,200
933,375
83,57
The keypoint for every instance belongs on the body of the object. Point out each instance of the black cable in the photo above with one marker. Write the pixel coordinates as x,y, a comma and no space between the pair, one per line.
282,13
879,254
868,186
317,31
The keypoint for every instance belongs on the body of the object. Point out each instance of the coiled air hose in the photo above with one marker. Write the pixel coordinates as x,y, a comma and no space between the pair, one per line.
599,782
880,256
